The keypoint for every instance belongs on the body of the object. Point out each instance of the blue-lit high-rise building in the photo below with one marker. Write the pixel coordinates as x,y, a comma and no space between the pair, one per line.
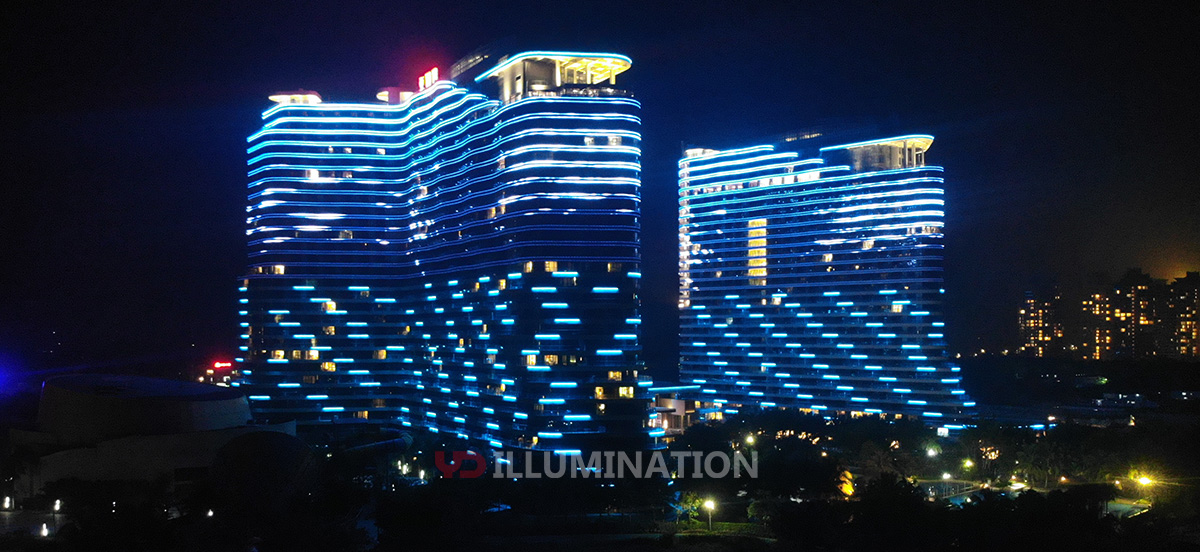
461,259
813,280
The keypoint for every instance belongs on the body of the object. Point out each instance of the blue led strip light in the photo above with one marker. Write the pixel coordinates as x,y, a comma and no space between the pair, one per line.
451,263
808,283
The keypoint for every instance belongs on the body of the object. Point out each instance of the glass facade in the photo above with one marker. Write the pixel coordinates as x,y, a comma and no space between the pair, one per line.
815,282
452,262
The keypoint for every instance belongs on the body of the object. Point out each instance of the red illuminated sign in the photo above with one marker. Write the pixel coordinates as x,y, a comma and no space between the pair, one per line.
222,364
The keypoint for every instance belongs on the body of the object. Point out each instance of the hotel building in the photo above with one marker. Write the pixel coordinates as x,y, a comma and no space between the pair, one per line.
461,259
813,280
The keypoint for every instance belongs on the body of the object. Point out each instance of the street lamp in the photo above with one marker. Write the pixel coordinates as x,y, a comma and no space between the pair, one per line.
710,506
1145,480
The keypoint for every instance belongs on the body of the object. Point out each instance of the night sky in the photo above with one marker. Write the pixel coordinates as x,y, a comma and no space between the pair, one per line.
1067,137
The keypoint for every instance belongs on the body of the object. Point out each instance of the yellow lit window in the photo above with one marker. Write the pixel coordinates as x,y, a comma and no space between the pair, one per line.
625,392
528,266
897,308
379,403
868,244
551,360
502,284
530,360
277,269
362,414
599,392
297,354
551,266
278,355
614,376
828,257
328,367
329,306
330,330
312,355
381,354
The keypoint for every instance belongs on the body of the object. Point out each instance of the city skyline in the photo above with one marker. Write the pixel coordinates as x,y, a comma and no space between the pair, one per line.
152,173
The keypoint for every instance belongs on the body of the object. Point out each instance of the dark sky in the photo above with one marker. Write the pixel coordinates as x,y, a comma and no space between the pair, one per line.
1067,134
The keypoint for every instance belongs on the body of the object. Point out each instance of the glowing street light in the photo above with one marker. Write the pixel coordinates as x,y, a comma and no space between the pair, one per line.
749,439
930,453
946,476
1145,480
710,506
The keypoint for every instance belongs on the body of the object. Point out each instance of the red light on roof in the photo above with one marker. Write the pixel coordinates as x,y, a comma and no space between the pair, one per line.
222,364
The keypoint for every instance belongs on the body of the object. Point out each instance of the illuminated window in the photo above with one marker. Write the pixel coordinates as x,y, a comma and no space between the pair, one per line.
379,403
312,173
827,258
345,234
362,414
297,354
328,367
381,354
330,330
278,318
530,360
364,293
277,269
589,141
329,306
614,376
551,266
528,266
278,354
868,244
625,392
312,355
551,360
897,308
599,393
614,140
379,151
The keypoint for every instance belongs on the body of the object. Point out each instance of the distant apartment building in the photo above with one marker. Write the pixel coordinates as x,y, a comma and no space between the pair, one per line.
1041,326
1139,317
